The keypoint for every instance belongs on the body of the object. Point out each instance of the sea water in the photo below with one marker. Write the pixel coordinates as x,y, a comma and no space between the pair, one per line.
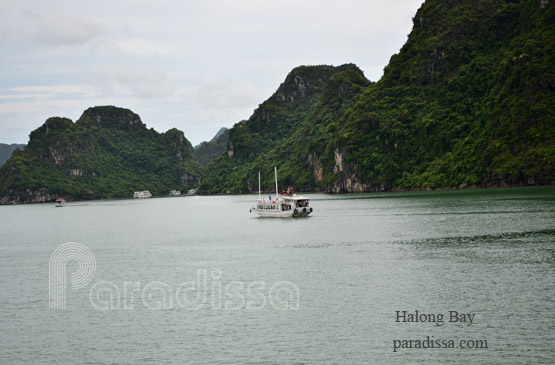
201,280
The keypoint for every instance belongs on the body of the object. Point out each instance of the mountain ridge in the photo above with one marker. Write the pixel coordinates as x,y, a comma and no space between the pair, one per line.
207,151
107,152
265,134
467,101
6,150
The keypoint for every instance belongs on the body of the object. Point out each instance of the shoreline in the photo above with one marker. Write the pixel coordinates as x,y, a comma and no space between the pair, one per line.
394,190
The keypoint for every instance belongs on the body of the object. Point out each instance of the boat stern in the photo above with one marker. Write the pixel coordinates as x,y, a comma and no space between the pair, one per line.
302,212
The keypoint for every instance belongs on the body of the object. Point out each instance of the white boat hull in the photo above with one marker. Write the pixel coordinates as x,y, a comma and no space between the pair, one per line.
281,213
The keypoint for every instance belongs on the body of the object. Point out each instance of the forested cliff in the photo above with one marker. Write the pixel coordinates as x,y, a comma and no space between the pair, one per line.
468,100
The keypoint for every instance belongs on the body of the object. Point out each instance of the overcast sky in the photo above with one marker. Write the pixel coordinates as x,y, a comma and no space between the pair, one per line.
194,65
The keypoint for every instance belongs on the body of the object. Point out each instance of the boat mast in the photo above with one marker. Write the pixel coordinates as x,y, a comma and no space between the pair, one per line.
275,172
259,185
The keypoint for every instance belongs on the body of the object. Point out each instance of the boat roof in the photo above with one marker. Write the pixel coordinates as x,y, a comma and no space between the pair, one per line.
294,197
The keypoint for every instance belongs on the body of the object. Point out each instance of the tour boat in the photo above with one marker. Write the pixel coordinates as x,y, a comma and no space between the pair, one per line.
287,204
175,193
60,202
142,194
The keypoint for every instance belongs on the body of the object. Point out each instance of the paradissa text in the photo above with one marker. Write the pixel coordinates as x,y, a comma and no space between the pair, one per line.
430,343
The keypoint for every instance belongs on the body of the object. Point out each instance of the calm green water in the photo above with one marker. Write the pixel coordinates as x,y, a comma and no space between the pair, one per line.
355,262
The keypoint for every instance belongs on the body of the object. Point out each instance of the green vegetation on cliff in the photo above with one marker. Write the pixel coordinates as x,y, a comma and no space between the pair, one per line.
207,151
469,99
108,152
272,135
6,151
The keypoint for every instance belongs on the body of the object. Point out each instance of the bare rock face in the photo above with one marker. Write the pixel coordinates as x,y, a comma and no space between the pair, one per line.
339,164
350,185
185,178
111,116
56,156
347,180
76,172
317,170
301,82
301,85
29,196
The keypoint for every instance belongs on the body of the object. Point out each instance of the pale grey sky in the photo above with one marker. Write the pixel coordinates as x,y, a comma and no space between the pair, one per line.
194,65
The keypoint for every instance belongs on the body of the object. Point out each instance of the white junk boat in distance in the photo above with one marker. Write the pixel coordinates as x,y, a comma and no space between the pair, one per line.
142,194
284,205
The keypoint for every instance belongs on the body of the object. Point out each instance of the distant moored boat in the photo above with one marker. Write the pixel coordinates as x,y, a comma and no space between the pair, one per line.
142,194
